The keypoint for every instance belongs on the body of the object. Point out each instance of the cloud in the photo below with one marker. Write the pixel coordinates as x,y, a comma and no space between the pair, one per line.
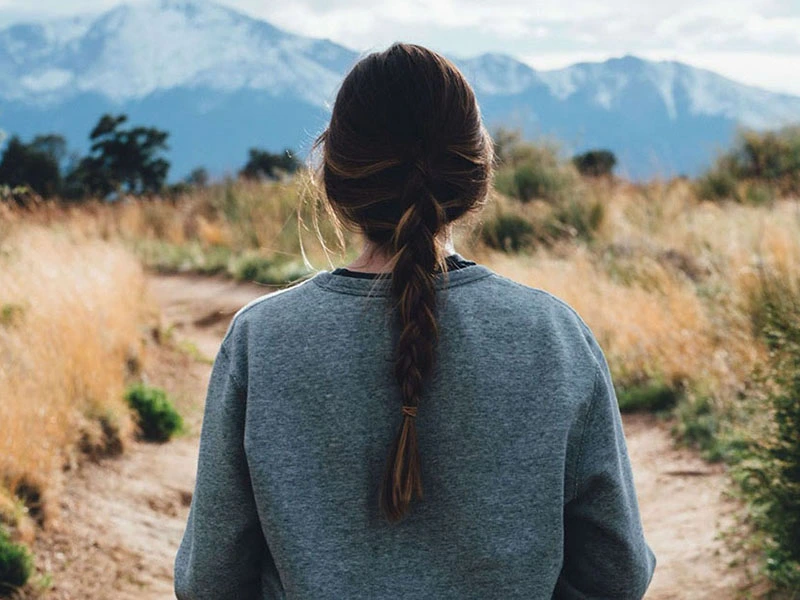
756,41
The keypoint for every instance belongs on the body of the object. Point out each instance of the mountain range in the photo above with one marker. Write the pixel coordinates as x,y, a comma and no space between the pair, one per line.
221,82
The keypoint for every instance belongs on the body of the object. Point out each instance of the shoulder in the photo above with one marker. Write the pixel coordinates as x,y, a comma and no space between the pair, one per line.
553,325
266,309
539,301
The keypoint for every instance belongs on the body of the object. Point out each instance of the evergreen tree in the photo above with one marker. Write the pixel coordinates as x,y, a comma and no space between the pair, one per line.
121,160
262,163
36,165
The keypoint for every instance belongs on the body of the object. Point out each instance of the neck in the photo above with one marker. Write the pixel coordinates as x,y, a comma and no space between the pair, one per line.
372,260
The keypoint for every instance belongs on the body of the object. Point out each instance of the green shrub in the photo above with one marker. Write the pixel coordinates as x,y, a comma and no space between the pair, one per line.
532,170
537,180
504,182
254,267
157,417
770,158
769,475
16,564
11,314
268,270
595,163
653,396
508,232
759,193
717,185
576,218
698,426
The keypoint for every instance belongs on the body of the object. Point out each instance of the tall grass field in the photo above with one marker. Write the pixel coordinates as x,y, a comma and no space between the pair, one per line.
692,288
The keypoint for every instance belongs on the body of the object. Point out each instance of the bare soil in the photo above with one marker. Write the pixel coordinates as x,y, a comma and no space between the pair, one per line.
121,519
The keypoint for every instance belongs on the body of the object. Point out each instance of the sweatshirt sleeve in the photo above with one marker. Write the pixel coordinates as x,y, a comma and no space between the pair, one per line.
223,546
605,552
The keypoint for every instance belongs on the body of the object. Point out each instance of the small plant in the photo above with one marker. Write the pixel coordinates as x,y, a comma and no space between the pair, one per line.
191,350
697,425
44,582
760,194
254,267
508,232
653,396
157,417
575,218
16,564
717,185
11,314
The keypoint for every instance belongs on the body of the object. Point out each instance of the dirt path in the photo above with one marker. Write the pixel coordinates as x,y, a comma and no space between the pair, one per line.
121,520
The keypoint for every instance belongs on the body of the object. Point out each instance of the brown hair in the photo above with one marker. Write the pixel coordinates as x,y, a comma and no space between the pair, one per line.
405,154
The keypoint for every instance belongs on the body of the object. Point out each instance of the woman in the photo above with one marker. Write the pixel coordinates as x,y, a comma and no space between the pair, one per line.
413,425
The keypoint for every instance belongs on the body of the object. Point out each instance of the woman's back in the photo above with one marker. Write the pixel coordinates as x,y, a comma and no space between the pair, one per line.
528,488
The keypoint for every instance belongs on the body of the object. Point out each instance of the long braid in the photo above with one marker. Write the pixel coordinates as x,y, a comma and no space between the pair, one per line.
414,293
405,155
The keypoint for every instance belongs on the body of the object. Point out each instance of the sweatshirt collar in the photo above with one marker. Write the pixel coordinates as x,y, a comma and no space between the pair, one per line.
357,286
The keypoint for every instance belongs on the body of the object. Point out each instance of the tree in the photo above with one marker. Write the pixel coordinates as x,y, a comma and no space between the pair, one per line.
51,144
121,160
198,177
36,165
595,163
266,164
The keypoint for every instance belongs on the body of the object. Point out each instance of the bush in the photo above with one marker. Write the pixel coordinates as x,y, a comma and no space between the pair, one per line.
770,158
16,564
254,267
157,417
268,270
717,184
532,170
698,426
576,218
770,474
537,180
595,163
653,396
759,194
508,232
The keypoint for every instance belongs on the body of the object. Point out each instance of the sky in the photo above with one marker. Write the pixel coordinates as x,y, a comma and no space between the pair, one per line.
755,42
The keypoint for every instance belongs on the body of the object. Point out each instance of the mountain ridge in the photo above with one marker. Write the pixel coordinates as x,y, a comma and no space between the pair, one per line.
188,64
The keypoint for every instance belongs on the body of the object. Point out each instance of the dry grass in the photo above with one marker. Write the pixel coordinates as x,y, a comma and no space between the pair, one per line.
71,310
646,332
671,285
668,283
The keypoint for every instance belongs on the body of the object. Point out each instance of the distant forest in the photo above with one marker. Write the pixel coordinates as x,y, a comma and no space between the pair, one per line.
122,160
130,160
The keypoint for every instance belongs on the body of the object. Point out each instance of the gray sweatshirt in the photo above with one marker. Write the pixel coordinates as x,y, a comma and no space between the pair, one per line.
528,490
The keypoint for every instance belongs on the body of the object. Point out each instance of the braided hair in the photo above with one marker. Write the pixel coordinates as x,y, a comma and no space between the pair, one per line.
405,154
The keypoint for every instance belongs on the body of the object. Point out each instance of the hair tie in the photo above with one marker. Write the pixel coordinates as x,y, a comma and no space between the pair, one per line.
411,411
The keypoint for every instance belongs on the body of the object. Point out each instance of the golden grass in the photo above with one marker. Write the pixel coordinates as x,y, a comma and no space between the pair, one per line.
645,333
669,284
71,308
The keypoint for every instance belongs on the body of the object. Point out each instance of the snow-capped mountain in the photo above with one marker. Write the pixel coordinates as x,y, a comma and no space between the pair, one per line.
682,89
134,51
221,82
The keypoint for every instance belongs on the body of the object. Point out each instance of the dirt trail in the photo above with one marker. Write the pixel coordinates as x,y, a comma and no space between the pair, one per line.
121,520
